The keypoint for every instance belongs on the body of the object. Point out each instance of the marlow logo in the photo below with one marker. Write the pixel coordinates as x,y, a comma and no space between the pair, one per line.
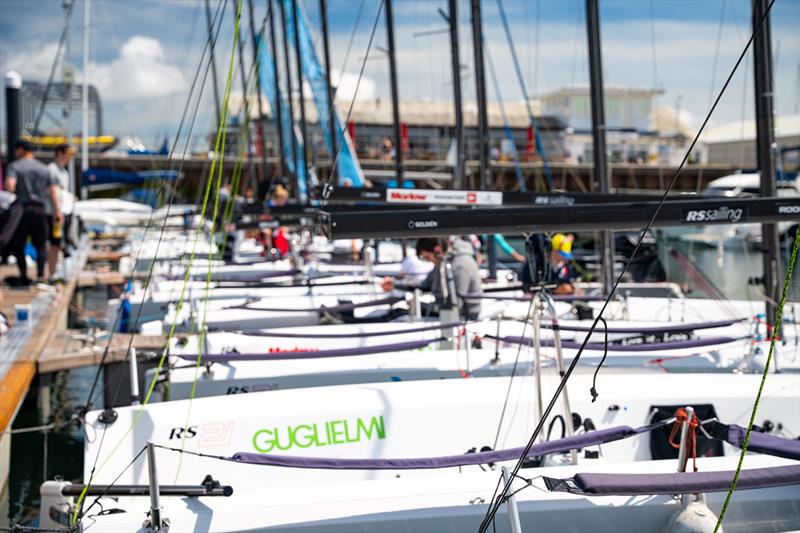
789,210
332,432
720,214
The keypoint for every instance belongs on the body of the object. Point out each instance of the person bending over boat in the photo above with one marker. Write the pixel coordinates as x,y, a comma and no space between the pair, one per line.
466,276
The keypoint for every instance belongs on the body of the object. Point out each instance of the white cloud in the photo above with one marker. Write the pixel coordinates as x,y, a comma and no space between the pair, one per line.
140,71
346,86
34,62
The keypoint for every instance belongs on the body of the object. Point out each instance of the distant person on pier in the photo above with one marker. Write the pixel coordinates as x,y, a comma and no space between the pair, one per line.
58,233
37,190
466,276
561,271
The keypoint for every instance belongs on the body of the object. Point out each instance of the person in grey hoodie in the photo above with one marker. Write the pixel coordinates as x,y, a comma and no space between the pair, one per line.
466,276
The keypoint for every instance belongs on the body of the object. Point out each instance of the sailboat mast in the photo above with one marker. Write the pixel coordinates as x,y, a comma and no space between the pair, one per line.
765,139
485,176
212,45
277,113
85,96
262,121
459,181
599,154
289,97
245,107
323,13
398,149
299,60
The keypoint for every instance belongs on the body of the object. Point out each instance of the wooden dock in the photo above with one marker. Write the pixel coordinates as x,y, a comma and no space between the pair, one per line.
73,349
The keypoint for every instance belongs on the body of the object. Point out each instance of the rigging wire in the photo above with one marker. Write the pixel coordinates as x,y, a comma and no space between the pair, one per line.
506,127
349,46
327,186
498,501
537,136
219,11
775,331
79,503
61,41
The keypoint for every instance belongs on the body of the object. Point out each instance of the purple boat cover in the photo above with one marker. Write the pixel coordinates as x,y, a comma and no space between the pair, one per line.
682,327
645,347
596,484
583,440
764,443
334,308
527,297
317,354
278,333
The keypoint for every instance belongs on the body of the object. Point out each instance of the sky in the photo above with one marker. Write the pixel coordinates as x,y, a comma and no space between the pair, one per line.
144,54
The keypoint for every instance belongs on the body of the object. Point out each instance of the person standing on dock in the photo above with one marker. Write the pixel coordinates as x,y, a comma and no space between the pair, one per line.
37,191
59,168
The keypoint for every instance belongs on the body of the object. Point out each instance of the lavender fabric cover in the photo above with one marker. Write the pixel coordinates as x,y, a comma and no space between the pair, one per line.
682,327
334,308
583,440
278,333
318,354
597,484
646,347
527,297
764,443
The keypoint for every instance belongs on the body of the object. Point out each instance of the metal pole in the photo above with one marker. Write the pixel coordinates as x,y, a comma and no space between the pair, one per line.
299,60
513,510
277,113
262,121
69,79
134,377
289,96
398,149
568,429
85,96
765,145
323,13
212,44
683,451
459,181
537,356
485,173
155,501
599,134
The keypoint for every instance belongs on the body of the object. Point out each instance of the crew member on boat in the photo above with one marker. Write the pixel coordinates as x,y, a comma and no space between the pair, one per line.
561,271
466,276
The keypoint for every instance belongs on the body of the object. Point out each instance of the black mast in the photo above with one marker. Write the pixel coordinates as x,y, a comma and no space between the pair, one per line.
299,60
599,134
398,151
765,138
289,97
262,121
323,13
277,113
485,175
459,181
246,107
211,41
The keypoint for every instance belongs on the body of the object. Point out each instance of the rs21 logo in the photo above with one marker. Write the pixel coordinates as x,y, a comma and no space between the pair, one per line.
207,435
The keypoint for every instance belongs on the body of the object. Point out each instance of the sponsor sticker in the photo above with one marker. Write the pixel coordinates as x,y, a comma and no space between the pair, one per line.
422,224
718,214
789,209
410,196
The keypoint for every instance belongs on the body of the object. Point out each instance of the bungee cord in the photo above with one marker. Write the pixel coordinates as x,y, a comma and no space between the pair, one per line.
499,499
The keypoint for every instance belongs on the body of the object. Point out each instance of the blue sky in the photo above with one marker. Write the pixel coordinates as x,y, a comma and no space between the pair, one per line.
144,53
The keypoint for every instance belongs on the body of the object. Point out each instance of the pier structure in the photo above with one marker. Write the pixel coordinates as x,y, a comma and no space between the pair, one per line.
36,347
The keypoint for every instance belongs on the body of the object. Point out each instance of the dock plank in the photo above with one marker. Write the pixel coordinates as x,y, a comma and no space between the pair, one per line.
71,349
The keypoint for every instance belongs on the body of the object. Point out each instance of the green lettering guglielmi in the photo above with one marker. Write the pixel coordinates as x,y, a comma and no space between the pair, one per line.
332,432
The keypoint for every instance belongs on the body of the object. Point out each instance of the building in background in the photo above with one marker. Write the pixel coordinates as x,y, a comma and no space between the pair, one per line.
638,130
734,144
